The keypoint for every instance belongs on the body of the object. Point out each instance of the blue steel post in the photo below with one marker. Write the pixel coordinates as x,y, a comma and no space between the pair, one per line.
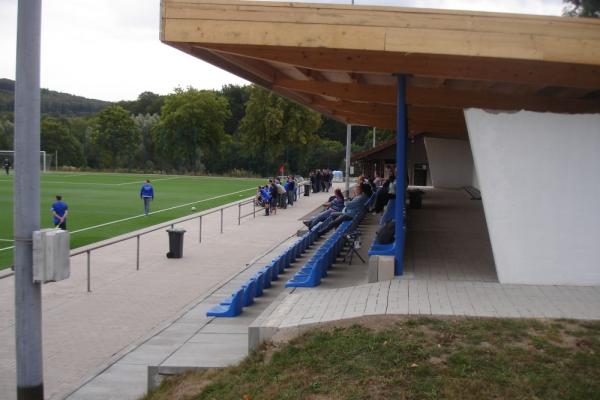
400,172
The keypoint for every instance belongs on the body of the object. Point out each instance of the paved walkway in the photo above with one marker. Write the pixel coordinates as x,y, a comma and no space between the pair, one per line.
85,333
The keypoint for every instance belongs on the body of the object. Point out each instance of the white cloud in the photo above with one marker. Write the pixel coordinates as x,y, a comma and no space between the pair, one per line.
110,49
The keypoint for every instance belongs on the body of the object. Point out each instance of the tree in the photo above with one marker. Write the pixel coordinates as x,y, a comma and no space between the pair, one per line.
57,138
146,103
326,154
7,127
191,126
582,8
236,96
145,153
382,135
275,131
116,138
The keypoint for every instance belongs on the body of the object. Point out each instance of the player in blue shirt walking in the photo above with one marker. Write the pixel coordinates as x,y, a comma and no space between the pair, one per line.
59,213
147,194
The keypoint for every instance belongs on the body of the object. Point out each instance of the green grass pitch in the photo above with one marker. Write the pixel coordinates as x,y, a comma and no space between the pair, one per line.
100,198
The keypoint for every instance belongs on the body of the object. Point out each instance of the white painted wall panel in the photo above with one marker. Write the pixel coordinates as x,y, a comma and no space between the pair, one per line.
450,162
540,178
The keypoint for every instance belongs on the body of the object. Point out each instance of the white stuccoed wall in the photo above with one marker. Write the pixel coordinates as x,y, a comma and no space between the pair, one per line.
540,176
450,162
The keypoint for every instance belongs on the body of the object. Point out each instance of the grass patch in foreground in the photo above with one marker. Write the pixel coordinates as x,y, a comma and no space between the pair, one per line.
413,358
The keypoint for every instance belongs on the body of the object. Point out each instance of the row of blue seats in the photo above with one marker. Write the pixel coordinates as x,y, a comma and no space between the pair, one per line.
380,249
244,296
316,268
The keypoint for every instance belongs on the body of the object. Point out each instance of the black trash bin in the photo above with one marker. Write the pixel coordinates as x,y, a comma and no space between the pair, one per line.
175,243
415,199
307,189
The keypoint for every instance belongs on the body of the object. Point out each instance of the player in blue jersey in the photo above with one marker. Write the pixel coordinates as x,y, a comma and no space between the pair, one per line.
59,213
147,194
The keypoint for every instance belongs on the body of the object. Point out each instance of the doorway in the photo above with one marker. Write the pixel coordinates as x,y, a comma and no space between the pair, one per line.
420,174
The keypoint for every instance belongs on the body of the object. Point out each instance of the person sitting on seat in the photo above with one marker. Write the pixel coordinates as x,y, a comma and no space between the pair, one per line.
352,208
335,204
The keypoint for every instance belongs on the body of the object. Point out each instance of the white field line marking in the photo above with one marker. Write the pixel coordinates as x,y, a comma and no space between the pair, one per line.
103,184
6,240
145,175
142,215
142,181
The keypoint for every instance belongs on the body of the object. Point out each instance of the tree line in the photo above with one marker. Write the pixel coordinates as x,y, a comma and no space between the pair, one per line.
238,130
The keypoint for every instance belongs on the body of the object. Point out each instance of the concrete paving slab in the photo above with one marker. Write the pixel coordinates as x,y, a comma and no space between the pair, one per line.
211,350
118,382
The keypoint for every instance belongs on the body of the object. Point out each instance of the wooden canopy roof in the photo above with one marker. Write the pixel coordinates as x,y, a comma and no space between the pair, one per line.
341,60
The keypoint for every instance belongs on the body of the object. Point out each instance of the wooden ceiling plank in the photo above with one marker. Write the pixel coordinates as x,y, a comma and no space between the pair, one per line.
441,97
435,66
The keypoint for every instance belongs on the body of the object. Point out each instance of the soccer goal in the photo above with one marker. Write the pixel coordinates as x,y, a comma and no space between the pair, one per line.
45,160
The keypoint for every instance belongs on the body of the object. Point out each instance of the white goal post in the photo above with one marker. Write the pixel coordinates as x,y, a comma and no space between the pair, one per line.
45,160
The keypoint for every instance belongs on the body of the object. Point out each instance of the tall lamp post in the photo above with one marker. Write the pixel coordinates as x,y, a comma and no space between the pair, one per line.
348,145
28,299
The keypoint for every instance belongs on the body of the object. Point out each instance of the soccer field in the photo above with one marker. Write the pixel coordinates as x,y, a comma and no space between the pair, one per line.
113,201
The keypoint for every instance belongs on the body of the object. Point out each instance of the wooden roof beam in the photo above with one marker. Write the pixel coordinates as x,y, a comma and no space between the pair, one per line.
430,65
441,97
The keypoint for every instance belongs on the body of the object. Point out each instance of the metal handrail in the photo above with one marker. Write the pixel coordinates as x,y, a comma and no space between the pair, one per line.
171,224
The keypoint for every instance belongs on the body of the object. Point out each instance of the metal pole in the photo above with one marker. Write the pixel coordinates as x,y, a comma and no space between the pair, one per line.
239,213
221,220
400,173
137,260
374,134
28,299
200,230
348,144
253,209
89,279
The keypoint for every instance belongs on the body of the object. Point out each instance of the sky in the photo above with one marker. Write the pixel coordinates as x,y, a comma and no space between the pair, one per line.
110,49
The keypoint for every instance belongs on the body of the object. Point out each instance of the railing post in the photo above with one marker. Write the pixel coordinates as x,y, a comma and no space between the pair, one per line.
89,289
239,213
172,226
200,230
253,209
137,260
221,220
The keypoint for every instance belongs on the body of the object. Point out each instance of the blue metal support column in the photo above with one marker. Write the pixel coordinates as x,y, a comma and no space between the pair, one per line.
400,173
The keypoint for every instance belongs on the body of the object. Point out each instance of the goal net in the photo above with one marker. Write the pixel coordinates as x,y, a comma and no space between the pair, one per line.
45,159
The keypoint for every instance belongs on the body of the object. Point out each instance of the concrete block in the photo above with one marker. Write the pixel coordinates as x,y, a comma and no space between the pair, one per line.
381,268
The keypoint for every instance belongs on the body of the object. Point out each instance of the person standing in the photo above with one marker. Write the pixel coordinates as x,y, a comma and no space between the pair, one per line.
290,190
60,210
6,165
147,195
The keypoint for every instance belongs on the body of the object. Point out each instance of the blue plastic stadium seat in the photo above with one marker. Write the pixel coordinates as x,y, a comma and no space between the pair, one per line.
249,292
310,279
382,249
230,307
274,270
388,213
260,278
268,271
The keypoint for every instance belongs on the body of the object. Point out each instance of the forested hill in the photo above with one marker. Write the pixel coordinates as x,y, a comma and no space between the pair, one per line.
53,103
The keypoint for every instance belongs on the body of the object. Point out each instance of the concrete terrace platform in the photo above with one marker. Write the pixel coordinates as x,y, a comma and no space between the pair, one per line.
88,333
449,271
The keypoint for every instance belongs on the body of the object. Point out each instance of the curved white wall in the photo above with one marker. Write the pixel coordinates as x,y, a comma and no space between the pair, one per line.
540,175
450,162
